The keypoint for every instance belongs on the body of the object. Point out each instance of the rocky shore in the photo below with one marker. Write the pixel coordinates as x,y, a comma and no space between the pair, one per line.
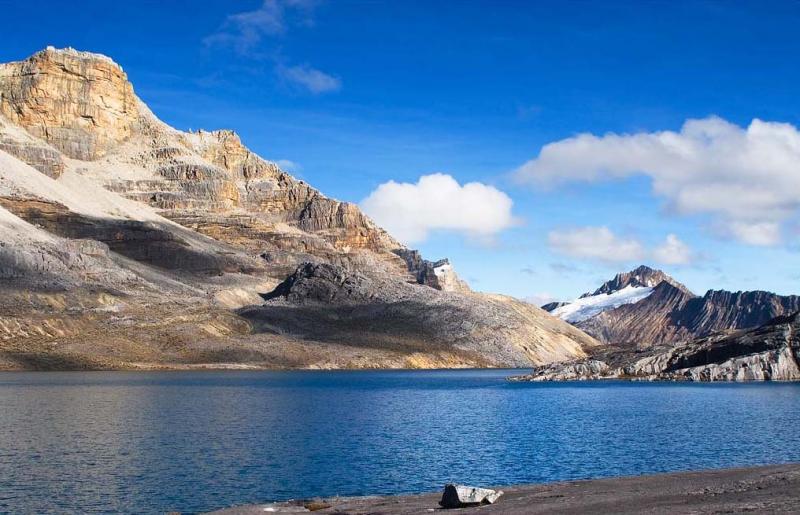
770,352
768,489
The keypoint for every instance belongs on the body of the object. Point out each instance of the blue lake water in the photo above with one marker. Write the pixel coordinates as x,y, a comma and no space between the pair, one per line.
191,441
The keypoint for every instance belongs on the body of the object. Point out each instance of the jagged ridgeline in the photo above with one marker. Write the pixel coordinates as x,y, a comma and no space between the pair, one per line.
647,307
126,243
653,327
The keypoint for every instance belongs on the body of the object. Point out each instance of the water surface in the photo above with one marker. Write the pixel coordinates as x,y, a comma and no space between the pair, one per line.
191,441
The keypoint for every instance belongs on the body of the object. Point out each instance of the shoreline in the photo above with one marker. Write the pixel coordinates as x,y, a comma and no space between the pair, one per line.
761,489
513,377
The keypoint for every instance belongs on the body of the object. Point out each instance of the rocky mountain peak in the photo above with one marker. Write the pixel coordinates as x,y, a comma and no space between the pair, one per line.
80,103
640,277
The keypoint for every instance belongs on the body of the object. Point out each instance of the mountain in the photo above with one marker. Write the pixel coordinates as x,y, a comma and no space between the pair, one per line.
624,289
646,307
640,277
768,352
125,243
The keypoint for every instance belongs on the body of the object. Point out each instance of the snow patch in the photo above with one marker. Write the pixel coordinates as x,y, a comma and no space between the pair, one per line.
441,270
587,307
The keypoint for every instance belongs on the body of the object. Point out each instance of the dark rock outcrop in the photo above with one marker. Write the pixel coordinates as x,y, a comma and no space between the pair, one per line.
720,310
550,306
40,156
768,352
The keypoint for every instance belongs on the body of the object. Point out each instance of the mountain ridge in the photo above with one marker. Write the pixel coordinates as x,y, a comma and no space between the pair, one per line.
641,276
127,243
671,313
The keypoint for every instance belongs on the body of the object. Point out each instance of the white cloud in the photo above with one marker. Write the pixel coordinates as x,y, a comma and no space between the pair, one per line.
288,166
673,252
309,78
758,233
747,178
596,243
438,202
601,244
246,29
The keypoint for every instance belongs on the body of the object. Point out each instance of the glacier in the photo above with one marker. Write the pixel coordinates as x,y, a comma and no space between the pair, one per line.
587,307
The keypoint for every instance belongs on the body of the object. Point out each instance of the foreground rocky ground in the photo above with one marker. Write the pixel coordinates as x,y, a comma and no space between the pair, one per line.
770,489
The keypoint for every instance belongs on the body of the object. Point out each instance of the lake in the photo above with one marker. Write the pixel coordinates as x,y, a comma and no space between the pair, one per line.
151,442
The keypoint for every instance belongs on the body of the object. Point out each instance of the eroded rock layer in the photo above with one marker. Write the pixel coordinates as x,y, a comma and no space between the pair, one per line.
80,103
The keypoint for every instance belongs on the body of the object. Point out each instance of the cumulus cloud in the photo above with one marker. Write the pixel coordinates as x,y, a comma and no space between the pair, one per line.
438,202
596,243
673,252
747,178
311,79
601,244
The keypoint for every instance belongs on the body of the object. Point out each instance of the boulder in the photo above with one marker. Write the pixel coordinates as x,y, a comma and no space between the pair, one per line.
460,496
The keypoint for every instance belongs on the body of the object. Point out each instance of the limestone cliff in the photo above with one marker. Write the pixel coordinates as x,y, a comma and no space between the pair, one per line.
127,243
80,103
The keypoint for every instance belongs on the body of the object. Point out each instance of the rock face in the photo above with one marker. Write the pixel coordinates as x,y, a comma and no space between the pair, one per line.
670,313
80,103
125,243
37,154
769,352
436,274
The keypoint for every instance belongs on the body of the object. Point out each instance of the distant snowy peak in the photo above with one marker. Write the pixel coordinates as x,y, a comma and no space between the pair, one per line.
585,307
641,277
624,288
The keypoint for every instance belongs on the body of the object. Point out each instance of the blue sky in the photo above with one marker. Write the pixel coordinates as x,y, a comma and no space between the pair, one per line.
357,94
